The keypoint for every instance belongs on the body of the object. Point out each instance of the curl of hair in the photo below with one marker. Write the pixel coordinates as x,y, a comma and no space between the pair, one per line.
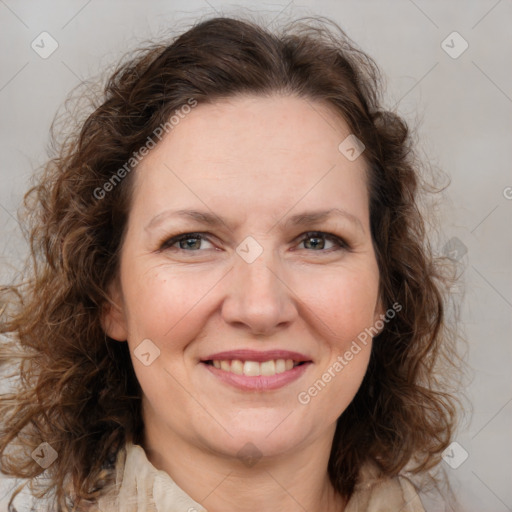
76,388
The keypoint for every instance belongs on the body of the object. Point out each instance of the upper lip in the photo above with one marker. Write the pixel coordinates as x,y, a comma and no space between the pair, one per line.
255,355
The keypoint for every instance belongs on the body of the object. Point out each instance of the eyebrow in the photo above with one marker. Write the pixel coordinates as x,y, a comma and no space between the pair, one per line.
300,219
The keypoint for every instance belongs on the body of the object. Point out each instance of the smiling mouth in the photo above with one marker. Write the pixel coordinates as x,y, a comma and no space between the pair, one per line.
255,368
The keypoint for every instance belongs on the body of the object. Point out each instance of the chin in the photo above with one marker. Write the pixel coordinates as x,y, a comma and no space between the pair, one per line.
249,447
269,438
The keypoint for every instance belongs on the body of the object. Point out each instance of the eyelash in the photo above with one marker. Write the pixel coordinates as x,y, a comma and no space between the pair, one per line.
339,242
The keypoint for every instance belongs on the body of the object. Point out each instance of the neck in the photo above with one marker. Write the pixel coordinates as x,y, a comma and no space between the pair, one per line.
293,482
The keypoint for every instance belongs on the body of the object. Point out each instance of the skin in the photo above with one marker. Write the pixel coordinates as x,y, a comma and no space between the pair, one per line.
255,162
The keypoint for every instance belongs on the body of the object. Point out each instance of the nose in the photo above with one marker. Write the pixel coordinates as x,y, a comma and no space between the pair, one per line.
258,297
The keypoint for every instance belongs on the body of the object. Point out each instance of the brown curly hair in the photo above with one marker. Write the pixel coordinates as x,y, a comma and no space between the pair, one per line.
76,388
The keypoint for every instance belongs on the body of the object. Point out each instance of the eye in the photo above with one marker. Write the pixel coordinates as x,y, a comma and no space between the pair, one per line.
189,242
319,238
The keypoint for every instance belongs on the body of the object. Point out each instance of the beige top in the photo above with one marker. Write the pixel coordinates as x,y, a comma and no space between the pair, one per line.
140,487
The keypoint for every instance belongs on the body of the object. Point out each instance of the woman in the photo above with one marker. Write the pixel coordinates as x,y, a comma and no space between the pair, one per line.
232,303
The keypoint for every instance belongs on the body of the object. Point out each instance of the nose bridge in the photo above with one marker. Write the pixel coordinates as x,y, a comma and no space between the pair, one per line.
257,268
257,296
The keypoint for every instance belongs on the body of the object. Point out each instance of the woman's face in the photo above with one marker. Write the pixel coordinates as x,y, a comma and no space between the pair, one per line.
251,289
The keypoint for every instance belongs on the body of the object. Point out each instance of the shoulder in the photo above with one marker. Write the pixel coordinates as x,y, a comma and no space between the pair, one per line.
377,493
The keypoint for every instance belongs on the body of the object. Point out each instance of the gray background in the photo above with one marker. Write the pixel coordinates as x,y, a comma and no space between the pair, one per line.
462,107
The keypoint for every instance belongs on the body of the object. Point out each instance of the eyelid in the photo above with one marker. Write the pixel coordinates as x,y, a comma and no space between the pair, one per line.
340,242
336,239
168,241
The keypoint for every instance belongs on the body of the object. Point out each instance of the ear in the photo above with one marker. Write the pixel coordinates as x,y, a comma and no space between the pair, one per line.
113,317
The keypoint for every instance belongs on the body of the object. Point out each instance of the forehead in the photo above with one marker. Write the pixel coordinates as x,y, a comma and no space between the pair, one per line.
261,123
260,152
249,126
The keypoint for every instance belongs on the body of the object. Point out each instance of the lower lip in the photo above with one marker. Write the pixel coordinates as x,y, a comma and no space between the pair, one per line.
259,382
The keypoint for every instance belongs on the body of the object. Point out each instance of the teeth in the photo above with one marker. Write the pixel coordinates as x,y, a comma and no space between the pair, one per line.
254,368
280,366
237,367
268,368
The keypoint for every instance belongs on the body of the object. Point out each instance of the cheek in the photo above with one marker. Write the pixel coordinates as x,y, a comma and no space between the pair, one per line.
353,309
344,301
159,301
163,303
344,311
164,307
